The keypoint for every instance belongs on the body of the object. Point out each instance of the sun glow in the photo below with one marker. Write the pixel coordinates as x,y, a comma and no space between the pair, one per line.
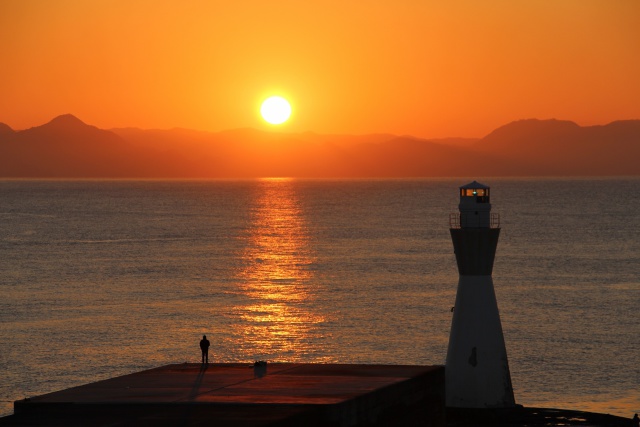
275,110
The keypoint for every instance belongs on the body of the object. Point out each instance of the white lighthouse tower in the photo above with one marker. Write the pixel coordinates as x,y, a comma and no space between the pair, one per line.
477,371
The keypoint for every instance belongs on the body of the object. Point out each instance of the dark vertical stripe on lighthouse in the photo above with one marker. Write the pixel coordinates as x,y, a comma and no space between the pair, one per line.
475,250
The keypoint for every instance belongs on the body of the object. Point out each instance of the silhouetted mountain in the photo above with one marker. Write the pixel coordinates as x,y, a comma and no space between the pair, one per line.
555,147
457,142
5,130
66,123
67,147
66,130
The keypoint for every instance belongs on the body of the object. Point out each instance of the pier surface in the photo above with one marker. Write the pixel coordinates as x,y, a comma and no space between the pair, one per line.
233,395
287,395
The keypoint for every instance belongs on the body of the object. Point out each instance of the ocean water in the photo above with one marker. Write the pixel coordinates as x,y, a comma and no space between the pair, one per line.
104,278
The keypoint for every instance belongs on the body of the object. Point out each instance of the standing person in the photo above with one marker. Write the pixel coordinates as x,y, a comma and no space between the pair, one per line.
635,421
204,346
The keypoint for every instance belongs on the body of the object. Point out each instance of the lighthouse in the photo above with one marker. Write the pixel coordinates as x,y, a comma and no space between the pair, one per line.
477,371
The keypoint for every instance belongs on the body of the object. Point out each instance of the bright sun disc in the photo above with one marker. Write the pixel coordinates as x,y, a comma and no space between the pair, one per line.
275,110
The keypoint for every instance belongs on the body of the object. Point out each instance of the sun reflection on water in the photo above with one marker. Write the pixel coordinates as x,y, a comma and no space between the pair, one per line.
277,320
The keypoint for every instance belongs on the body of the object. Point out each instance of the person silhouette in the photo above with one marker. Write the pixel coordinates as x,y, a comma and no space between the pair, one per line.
204,346
635,421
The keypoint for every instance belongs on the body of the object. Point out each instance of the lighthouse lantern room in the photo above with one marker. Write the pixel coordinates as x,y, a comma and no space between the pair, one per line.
475,206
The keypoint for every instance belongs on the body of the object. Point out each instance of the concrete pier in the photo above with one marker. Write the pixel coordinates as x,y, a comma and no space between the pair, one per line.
233,395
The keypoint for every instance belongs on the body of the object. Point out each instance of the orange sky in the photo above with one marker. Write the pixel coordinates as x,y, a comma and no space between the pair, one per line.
420,67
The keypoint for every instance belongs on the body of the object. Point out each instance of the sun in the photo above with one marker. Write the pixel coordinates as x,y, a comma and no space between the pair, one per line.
275,110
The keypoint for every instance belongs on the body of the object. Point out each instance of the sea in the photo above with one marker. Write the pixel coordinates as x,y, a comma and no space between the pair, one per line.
108,277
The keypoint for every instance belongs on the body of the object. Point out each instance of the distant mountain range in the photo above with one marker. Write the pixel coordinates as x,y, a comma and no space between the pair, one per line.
66,147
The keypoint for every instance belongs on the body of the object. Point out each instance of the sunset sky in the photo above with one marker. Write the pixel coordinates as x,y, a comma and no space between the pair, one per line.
418,67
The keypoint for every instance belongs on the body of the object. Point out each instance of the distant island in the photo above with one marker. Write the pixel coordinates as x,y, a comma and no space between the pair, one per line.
66,147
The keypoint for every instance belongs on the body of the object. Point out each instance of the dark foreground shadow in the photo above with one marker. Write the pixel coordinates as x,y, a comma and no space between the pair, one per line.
195,390
533,417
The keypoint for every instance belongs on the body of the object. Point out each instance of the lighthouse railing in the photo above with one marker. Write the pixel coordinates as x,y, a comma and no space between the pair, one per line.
495,220
454,220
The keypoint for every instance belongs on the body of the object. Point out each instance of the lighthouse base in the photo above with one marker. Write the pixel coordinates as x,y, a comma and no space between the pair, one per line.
477,371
